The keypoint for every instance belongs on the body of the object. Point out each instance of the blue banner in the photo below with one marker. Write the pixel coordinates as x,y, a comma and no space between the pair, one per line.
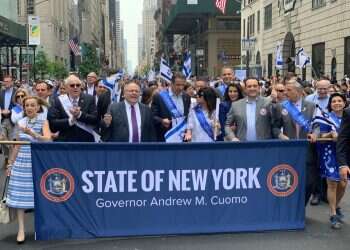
105,190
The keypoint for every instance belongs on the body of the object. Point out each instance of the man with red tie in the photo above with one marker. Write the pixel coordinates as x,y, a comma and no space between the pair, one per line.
130,120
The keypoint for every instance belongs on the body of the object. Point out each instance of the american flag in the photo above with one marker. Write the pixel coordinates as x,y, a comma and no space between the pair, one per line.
221,5
74,46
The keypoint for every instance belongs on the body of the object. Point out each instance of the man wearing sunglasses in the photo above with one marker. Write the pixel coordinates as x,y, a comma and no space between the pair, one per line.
74,115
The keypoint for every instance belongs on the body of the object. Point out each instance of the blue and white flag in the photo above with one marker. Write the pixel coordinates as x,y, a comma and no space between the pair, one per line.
279,58
187,67
176,133
322,117
111,83
165,71
302,59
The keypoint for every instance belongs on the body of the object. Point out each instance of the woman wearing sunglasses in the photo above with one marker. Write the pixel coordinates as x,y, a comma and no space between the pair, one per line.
17,110
201,120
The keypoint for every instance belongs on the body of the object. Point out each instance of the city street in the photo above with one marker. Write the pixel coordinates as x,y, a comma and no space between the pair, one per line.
317,235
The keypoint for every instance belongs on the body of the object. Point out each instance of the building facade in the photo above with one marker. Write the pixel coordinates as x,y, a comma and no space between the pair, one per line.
320,27
149,31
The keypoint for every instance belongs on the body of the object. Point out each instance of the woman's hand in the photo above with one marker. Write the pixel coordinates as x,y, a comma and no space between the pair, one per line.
8,169
188,135
334,135
27,131
312,138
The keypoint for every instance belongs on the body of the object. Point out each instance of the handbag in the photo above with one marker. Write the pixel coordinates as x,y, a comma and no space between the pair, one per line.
4,209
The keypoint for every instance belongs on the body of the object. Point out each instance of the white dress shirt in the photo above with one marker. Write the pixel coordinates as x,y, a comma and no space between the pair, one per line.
90,89
251,120
138,119
178,100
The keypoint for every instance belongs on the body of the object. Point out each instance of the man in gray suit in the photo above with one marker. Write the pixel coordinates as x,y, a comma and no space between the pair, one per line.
249,119
129,120
284,127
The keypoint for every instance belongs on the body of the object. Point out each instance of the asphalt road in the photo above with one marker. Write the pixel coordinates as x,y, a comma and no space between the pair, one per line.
317,235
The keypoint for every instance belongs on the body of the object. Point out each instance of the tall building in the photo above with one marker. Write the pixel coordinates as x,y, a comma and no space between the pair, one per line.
119,39
320,27
140,47
54,26
149,30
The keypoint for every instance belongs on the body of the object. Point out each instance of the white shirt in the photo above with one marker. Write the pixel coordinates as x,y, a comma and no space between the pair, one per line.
198,134
251,120
138,119
177,99
90,89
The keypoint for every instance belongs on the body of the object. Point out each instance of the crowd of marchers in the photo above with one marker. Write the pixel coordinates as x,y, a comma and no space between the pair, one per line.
182,110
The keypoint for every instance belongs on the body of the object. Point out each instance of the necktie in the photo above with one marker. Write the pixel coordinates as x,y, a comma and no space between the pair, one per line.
135,130
75,102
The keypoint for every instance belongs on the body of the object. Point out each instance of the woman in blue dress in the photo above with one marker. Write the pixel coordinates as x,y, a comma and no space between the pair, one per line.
329,167
20,194
233,93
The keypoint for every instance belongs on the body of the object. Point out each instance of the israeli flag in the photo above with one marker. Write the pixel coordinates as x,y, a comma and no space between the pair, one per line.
176,133
279,58
302,59
112,84
322,117
187,67
165,71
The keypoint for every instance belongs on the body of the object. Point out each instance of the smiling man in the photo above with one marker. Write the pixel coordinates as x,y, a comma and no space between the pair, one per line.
74,115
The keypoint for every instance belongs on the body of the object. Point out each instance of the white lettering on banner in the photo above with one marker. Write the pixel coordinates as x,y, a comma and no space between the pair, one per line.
102,203
237,178
168,202
228,200
184,180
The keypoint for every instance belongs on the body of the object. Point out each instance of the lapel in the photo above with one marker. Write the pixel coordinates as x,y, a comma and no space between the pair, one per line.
81,102
2,99
244,111
142,114
185,102
124,117
259,103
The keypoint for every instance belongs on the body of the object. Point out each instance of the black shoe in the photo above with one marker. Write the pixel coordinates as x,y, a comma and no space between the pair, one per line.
315,200
335,224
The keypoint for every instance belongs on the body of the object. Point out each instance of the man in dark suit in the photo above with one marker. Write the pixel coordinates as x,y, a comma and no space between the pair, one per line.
7,103
161,113
129,120
343,146
102,100
74,115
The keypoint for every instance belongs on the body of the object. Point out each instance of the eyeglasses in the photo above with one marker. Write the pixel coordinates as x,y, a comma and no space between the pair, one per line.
75,85
280,90
40,90
20,96
200,94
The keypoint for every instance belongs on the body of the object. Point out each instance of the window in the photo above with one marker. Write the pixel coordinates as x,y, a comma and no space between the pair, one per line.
30,7
243,27
258,22
318,58
268,17
318,3
347,56
251,25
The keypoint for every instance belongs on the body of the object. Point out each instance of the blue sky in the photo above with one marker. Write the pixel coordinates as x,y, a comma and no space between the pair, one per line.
131,15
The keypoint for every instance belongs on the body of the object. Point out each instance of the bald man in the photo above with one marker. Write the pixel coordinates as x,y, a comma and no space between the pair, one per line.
74,115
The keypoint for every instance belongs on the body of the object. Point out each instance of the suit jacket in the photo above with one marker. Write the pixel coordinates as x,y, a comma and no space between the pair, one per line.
2,101
282,120
343,142
238,116
103,103
118,131
160,112
58,120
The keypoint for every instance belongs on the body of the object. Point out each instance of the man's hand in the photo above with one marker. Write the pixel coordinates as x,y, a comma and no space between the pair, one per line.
235,139
107,118
344,172
312,138
283,137
5,112
75,111
166,123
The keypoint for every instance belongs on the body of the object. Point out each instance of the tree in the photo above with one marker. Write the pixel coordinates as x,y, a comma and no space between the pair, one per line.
41,64
90,61
57,70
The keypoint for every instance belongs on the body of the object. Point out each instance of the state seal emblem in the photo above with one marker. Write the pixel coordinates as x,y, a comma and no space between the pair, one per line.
282,180
57,185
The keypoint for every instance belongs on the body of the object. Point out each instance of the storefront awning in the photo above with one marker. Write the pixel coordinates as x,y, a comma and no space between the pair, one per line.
11,33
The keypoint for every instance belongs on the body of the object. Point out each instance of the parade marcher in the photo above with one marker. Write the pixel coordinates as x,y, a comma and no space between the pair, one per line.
129,120
201,82
232,94
91,83
327,155
171,107
202,123
20,193
17,110
251,116
6,104
74,115
278,93
227,77
102,100
147,95
43,90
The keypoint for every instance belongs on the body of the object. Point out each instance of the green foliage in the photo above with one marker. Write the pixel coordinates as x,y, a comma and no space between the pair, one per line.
90,61
41,64
57,70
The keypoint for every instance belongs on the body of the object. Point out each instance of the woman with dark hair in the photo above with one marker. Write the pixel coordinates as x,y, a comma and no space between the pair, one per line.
233,93
147,95
201,119
329,167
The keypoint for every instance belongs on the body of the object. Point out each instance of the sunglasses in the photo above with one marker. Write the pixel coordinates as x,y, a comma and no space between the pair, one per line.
75,85
40,90
280,90
20,96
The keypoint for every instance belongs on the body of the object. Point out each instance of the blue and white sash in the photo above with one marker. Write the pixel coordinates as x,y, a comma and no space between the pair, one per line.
177,132
335,119
222,88
17,108
169,103
67,105
204,122
296,115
